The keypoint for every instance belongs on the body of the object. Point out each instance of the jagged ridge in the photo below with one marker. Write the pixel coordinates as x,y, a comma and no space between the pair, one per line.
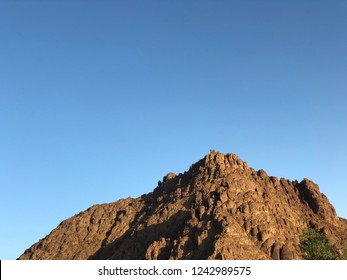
219,209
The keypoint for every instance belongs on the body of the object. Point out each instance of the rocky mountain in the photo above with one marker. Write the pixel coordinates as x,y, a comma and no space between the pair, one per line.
219,209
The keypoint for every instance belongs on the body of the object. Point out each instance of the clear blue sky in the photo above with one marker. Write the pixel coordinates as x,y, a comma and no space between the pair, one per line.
100,99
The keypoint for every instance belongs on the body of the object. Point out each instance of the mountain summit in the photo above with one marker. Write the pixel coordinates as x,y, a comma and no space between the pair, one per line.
219,209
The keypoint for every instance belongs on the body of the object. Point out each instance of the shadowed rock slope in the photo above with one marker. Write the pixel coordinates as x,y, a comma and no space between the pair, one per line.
219,209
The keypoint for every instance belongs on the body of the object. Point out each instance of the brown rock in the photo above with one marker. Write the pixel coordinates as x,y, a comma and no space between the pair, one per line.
219,209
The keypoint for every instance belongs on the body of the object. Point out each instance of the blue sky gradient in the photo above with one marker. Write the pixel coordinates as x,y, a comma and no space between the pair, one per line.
100,99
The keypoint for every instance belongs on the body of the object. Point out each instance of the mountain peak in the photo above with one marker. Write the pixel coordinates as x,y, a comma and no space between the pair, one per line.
228,160
219,209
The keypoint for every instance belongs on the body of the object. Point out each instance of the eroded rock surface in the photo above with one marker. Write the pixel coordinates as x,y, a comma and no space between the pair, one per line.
219,209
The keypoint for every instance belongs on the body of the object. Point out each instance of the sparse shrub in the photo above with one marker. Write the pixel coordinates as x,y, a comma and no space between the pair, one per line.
342,249
315,246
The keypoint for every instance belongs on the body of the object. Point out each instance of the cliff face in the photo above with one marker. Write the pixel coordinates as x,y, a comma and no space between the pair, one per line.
219,209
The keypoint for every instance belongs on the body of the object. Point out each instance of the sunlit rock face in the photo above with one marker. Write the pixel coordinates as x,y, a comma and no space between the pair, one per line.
219,209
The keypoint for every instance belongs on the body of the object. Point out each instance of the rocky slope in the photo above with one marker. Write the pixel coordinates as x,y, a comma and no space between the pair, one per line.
219,209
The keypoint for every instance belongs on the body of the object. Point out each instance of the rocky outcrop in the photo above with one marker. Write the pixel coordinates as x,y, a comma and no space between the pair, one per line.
219,209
